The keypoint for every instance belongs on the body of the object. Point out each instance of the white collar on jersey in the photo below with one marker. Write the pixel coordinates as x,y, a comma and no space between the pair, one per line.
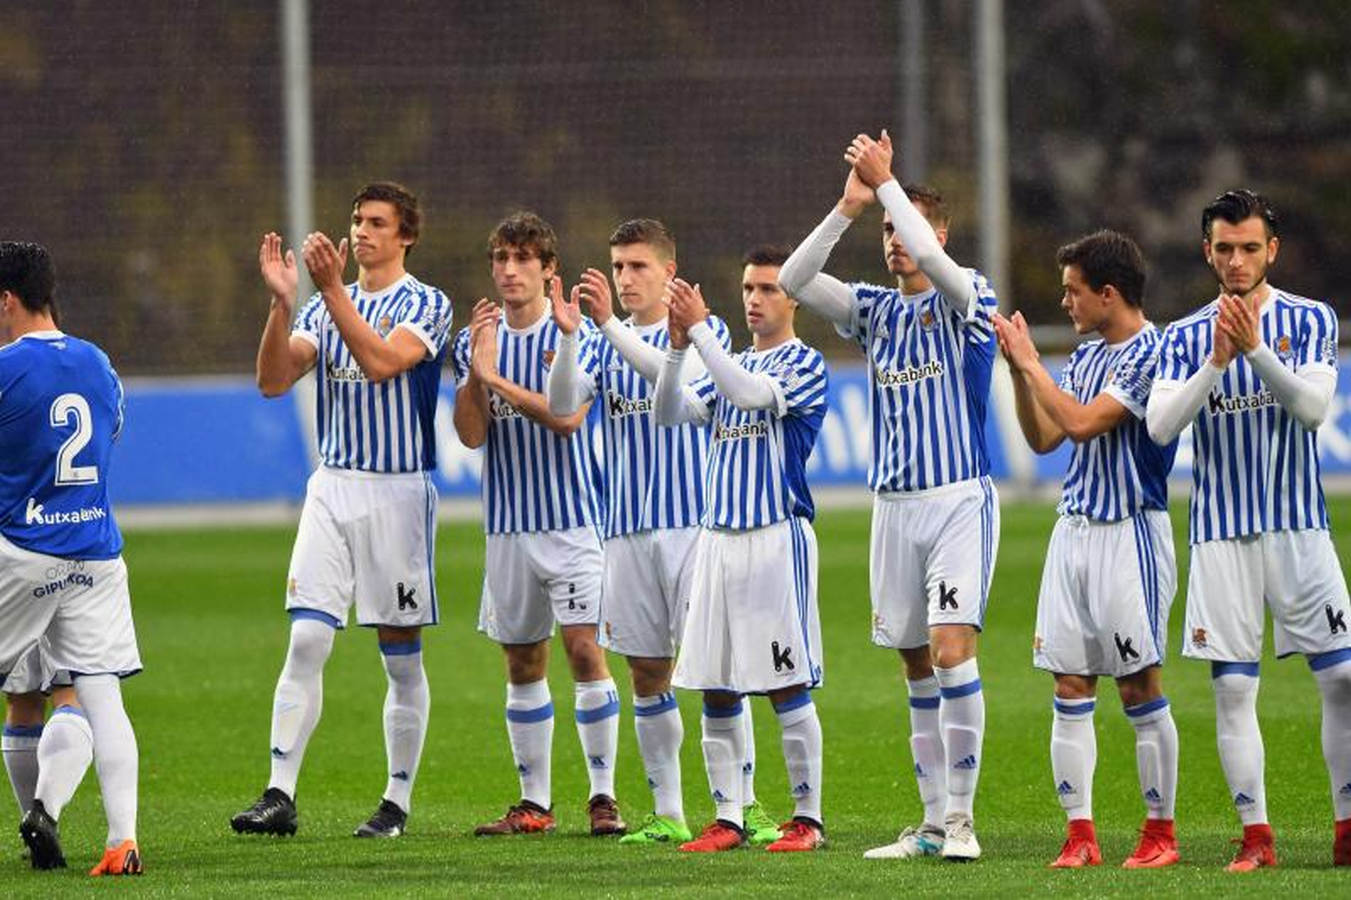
49,335
358,294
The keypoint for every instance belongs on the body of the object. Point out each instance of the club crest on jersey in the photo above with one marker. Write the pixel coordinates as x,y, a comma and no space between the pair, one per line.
548,358
1283,347
927,321
384,325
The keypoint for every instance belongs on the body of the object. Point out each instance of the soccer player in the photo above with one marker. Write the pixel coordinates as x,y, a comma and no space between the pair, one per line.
544,562
1253,372
935,527
752,626
654,501
1110,571
368,528
62,578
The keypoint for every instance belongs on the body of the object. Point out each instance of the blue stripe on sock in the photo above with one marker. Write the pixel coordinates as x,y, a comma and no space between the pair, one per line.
1233,668
723,712
795,702
1144,709
597,713
317,615
665,704
529,716
925,702
403,649
70,710
1320,661
961,690
1074,708
28,731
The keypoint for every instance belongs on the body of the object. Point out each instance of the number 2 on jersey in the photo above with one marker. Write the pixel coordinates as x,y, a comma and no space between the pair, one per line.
64,408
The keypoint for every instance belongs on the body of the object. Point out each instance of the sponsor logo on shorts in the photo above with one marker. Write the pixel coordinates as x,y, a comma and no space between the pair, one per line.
783,657
1219,404
1199,637
1124,648
909,375
947,597
618,405
63,577
405,596
1336,618
36,514
741,432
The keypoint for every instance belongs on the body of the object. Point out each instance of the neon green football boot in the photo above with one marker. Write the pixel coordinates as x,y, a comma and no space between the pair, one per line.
759,827
657,829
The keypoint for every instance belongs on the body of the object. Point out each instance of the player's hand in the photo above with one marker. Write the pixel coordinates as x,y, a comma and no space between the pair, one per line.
567,312
686,302
871,159
857,196
325,261
1239,321
595,296
1015,341
279,272
483,339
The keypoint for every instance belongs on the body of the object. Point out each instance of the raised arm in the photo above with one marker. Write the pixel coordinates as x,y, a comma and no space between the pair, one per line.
1305,395
1173,404
801,276
743,389
380,358
472,415
566,386
593,292
872,159
282,358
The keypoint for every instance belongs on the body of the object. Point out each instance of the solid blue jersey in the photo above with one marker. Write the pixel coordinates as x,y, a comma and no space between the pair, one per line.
385,427
1255,467
653,475
929,378
1116,474
533,478
757,470
60,411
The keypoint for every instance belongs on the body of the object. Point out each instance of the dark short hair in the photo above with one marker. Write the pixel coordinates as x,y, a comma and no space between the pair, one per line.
1237,206
1108,257
935,208
404,201
645,231
766,255
527,231
26,270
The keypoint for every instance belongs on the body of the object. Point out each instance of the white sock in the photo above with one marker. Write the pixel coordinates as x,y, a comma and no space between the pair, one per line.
1332,671
724,751
115,755
19,744
962,714
926,749
1242,756
64,755
660,730
530,727
1074,754
748,760
802,753
298,699
407,702
597,714
1156,755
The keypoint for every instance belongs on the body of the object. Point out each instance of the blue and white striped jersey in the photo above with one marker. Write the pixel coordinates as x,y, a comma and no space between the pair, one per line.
384,427
1255,467
653,476
60,411
929,374
1119,473
757,470
533,479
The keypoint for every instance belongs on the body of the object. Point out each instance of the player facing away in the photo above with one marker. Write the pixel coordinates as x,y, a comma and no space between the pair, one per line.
752,625
1253,372
367,530
63,584
935,527
1110,572
653,481
544,563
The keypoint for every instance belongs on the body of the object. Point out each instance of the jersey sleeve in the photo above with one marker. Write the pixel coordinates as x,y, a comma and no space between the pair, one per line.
459,357
704,390
1175,360
799,383
1317,350
859,330
723,333
1069,373
428,317
310,320
591,361
1132,377
980,315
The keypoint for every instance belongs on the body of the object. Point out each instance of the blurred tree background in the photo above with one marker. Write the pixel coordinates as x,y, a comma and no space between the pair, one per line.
142,141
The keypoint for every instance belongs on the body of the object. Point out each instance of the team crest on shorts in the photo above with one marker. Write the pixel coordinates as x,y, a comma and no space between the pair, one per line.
609,633
384,325
291,587
1283,347
1036,643
1199,637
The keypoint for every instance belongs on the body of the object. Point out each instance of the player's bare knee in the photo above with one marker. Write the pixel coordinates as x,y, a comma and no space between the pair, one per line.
778,698
526,663
721,699
917,663
651,675
389,634
63,695
952,645
24,709
585,656
1076,687
1140,687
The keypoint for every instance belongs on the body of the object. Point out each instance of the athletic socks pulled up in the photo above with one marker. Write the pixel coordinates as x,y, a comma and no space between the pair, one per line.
117,759
530,728
926,749
1242,754
1155,755
298,700
801,729
407,703
962,717
656,719
64,755
724,746
597,714
1074,755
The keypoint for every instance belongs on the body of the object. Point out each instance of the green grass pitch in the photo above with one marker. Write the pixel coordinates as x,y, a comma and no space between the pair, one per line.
208,612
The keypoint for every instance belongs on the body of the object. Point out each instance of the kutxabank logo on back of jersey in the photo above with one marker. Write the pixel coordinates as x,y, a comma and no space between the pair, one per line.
37,514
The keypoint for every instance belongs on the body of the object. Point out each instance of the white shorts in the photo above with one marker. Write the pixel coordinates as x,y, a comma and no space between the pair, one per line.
533,579
1296,573
1105,592
932,557
647,591
753,625
81,608
368,539
34,673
